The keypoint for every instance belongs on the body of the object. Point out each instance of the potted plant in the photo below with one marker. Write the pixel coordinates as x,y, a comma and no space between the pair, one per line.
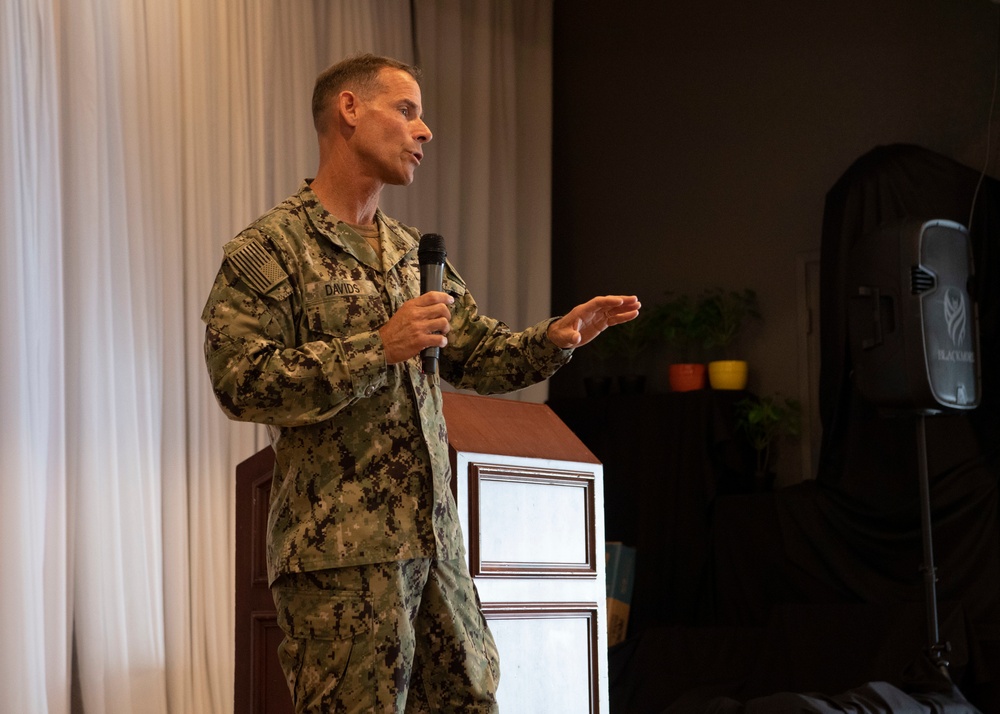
680,323
724,313
765,420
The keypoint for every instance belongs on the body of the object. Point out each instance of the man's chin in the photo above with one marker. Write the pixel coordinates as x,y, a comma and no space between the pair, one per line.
403,178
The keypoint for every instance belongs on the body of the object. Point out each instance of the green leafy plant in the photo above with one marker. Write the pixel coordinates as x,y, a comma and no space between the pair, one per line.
765,420
724,313
712,320
680,323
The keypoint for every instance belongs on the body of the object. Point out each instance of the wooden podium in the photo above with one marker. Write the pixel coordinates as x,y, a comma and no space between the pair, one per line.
531,502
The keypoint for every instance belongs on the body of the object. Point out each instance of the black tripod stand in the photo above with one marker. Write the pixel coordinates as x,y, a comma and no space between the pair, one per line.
937,650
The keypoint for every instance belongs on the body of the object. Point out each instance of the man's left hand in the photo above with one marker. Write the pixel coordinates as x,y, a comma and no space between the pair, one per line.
585,322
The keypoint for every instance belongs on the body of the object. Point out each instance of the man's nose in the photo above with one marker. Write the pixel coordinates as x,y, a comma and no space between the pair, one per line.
424,132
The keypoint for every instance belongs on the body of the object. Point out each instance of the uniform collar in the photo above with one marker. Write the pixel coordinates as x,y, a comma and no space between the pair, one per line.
398,241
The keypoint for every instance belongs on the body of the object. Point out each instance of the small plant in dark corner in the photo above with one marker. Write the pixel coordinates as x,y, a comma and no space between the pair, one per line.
765,420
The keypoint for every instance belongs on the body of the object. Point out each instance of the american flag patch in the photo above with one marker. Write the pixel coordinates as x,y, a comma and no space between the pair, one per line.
257,267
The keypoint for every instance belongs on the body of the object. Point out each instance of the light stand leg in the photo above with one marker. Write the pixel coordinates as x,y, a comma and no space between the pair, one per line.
937,650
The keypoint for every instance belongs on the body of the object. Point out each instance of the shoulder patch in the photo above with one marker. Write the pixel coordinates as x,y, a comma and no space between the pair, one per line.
257,267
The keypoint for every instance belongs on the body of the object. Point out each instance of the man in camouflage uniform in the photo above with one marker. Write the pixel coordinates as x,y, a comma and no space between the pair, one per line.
314,327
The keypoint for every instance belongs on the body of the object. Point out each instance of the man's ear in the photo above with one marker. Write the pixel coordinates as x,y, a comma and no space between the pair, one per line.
347,105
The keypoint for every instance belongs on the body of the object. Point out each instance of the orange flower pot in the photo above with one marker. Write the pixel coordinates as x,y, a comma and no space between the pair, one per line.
686,377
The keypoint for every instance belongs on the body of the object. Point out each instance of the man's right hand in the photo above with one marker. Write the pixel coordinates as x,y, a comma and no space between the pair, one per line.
418,323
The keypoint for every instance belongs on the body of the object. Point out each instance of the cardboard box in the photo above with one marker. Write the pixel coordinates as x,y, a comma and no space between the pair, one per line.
620,576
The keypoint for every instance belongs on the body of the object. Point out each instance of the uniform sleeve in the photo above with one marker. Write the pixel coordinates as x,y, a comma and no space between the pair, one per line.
483,354
259,370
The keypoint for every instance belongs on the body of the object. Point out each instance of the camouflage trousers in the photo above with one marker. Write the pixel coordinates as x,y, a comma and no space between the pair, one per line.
402,637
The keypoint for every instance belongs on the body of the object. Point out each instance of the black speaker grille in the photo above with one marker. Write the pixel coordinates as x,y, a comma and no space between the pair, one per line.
921,280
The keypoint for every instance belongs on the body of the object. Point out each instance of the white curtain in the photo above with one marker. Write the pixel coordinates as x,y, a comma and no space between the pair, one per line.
136,136
485,185
34,512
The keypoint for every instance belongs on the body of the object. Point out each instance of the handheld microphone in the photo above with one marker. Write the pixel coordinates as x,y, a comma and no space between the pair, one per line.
431,255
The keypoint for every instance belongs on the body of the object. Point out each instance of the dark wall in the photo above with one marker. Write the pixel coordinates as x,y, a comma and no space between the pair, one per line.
694,143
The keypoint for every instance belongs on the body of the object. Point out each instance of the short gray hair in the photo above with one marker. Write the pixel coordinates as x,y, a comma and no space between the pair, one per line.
360,74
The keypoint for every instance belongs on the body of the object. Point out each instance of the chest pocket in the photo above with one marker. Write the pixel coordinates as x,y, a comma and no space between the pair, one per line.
342,309
453,287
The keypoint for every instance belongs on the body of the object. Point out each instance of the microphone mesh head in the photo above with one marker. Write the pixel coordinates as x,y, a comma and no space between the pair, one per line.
431,249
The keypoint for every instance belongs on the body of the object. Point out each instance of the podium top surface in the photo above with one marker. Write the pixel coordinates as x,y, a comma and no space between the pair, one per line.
489,425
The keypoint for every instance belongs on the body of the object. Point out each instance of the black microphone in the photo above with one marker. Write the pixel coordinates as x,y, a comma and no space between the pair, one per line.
431,255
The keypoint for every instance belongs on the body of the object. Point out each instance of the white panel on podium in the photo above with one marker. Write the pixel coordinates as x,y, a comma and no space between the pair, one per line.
543,509
530,646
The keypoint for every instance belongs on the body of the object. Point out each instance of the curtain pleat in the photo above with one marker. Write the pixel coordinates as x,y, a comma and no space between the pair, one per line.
136,138
34,533
112,329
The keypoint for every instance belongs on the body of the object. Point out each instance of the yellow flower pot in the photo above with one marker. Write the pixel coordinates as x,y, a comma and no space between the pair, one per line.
728,374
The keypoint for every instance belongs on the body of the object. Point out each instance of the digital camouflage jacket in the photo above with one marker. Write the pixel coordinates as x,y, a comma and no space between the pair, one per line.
362,472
